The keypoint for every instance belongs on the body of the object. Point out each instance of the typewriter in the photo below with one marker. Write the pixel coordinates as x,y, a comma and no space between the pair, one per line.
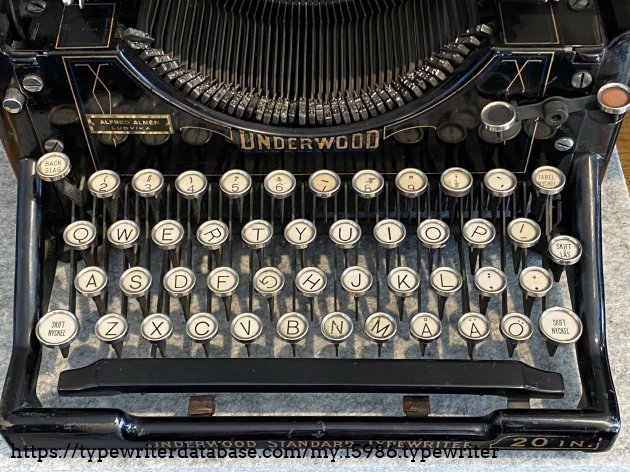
311,222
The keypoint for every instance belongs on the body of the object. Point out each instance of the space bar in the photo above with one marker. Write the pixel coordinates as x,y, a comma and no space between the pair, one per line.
181,375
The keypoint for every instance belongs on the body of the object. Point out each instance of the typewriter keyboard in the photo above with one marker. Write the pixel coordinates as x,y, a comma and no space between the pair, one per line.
446,267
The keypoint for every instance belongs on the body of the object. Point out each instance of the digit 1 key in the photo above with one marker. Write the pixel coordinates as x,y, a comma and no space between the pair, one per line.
426,328
157,329
246,328
311,282
105,185
112,329
380,327
202,328
57,329
292,328
516,328
473,328
336,328
91,282
223,281
563,251
559,326
404,282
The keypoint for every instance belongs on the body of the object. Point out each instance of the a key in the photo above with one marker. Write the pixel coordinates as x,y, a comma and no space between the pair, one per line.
81,236
157,329
167,236
473,328
523,233
149,184
136,283
311,282
404,282
269,281
563,251
535,282
490,282
55,167
516,328
257,235
356,281
112,329
124,235
202,328
324,184
223,282
559,326
280,185
105,185
380,327
91,282
336,328
192,185
213,235
235,184
57,329
389,234
426,328
246,328
478,234
433,234
411,183
292,328
446,281
547,182
179,283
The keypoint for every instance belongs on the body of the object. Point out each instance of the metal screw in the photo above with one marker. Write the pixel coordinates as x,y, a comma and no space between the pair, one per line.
581,79
13,101
36,7
564,144
32,83
53,145
579,5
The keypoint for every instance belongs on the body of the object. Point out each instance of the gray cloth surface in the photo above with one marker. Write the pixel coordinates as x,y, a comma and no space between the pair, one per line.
616,212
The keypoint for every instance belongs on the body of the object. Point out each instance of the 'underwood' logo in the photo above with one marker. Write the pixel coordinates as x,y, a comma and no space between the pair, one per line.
255,142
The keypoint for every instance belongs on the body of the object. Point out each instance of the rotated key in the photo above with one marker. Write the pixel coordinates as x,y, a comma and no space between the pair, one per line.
473,328
202,328
380,327
559,326
223,282
292,328
478,234
246,328
179,283
523,233
516,328
105,185
446,281
269,281
124,235
157,329
357,281
136,283
490,282
336,328
563,251
426,328
112,329
91,282
311,282
535,282
404,282
81,236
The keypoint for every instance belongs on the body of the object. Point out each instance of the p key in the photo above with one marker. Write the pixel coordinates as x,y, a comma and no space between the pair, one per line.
478,234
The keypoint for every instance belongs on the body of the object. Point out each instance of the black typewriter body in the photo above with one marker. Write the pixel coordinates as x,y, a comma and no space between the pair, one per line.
213,86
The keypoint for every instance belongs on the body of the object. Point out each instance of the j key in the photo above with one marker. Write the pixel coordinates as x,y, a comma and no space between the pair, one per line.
91,282
124,235
223,281
426,328
112,329
57,329
179,283
559,326
404,282
246,328
473,328
446,282
81,236
157,329
356,281
269,282
380,327
336,328
563,251
490,282
292,328
202,328
55,167
311,282
535,282
516,328
523,233
136,283
411,183
105,185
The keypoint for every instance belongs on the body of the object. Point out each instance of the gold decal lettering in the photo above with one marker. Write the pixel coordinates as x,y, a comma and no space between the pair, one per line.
292,144
357,141
341,142
278,143
264,142
306,143
247,144
372,140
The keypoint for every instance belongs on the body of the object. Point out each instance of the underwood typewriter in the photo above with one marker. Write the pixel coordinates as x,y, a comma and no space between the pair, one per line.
311,222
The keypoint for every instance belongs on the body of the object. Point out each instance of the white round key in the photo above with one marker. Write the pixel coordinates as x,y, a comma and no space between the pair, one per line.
560,325
324,183
403,281
223,281
300,233
390,233
80,235
191,184
345,233
433,233
235,183
368,183
565,250
548,180
311,281
516,327
479,233
490,281
202,327
53,166
123,234
500,182
337,327
257,234
456,182
213,234
179,282
156,328
246,327
148,183
381,327
268,281
473,327
292,327
104,184
356,280
280,184
135,282
167,234
425,327
57,328
535,281
111,328
446,281
91,281
411,183
523,232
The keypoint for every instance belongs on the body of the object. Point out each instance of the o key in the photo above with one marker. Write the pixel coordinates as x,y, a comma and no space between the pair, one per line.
433,233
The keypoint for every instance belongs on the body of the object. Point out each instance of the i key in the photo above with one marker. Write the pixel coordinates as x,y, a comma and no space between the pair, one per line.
490,282
292,328
157,329
426,328
124,235
324,184
269,281
105,185
235,184
563,251
149,184
223,282
523,233
246,328
167,236
81,236
380,327
446,281
192,185
55,167
311,282
367,184
336,328
559,326
535,282
433,234
280,185
179,283
404,282
547,181
389,234
356,281
91,282
57,329
112,329
473,328
478,234
201,329
136,283
516,328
